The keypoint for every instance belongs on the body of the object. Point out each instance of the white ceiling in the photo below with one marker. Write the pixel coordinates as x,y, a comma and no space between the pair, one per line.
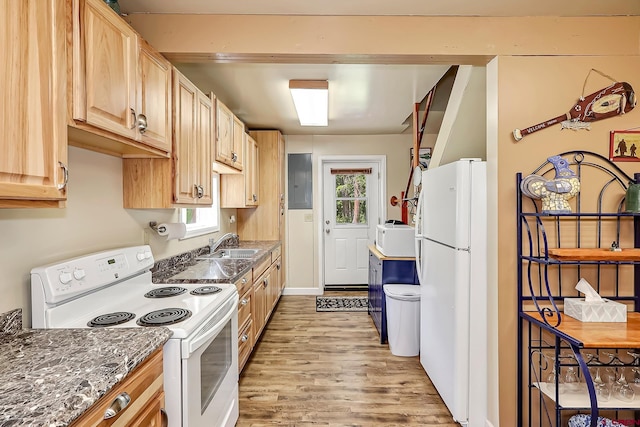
363,98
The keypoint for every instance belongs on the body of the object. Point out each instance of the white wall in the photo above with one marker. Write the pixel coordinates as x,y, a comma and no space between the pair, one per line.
463,130
93,220
302,225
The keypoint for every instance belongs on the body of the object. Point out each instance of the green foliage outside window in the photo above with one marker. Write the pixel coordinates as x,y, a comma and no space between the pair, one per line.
351,201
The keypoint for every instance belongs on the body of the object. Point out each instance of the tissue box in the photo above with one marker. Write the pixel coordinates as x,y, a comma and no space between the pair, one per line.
600,311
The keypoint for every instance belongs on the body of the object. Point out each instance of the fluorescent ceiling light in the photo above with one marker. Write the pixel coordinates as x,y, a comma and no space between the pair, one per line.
311,99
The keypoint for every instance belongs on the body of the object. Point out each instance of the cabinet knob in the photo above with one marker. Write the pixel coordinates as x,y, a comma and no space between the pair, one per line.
142,123
134,117
244,280
165,418
199,191
255,198
244,301
65,177
118,404
244,338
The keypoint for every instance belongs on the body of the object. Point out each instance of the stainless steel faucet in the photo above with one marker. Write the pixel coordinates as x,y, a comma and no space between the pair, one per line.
214,245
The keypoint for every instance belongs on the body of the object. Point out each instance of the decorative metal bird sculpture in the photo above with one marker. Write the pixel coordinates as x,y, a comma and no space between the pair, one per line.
555,193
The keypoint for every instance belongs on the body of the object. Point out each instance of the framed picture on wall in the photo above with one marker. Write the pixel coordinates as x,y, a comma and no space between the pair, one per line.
624,145
424,156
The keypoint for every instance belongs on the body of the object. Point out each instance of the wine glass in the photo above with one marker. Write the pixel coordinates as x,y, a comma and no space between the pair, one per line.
622,389
553,377
635,382
571,380
603,392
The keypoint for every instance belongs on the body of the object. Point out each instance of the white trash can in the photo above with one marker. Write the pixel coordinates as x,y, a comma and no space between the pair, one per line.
403,319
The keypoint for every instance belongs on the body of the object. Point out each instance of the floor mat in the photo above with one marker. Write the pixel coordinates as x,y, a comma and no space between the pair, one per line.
342,303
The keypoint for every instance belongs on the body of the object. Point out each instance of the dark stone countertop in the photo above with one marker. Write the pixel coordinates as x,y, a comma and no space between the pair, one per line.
187,268
49,377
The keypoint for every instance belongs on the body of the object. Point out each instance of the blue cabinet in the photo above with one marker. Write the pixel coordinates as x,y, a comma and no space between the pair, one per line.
384,270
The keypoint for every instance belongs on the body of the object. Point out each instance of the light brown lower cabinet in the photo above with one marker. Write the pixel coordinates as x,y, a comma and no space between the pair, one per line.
144,386
256,303
259,314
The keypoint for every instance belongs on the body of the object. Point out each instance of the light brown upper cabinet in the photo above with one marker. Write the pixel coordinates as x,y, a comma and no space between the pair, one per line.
267,220
185,179
252,172
121,87
240,190
237,154
229,137
155,97
33,164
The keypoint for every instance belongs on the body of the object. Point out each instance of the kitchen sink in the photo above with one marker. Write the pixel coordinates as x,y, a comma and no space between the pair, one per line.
231,254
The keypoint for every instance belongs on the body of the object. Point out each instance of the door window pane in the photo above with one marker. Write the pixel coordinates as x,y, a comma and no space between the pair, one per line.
352,185
351,211
351,199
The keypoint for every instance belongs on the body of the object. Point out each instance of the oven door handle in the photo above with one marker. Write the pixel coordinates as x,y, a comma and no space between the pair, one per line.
211,328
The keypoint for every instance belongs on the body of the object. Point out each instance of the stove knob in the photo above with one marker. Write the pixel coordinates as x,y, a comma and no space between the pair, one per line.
147,254
65,278
79,273
140,256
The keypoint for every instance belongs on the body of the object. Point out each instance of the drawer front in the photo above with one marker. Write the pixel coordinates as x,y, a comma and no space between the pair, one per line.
261,268
244,283
245,345
141,387
275,254
244,306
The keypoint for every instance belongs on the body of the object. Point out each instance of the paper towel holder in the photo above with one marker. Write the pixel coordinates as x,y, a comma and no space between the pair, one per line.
154,226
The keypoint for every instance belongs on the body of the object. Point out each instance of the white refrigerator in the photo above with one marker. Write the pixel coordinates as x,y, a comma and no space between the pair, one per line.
451,244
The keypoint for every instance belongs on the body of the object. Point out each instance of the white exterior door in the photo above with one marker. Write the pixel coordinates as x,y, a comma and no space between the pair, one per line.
351,213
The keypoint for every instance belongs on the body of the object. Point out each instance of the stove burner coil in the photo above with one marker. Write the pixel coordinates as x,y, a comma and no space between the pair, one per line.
165,292
206,290
110,319
166,316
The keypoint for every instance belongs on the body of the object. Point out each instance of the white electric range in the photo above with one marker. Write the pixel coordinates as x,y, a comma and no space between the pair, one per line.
113,289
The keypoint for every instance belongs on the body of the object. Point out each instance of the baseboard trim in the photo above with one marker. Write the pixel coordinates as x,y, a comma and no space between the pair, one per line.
301,291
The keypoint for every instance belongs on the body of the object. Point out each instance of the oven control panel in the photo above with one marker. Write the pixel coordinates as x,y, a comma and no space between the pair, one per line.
68,279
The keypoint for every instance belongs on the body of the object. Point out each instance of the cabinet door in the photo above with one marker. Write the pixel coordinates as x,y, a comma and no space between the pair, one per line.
144,385
153,415
184,155
203,149
259,305
33,111
272,290
251,172
109,69
224,133
155,97
237,149
278,277
193,137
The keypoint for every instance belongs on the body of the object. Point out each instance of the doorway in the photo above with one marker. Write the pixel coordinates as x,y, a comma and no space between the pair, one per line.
352,194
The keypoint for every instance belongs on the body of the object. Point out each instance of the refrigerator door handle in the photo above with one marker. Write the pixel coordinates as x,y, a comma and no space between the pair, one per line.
418,238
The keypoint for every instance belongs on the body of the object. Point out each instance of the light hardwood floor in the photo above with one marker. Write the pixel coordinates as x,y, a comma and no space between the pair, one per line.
329,369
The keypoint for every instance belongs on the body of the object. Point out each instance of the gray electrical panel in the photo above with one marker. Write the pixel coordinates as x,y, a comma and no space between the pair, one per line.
300,181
